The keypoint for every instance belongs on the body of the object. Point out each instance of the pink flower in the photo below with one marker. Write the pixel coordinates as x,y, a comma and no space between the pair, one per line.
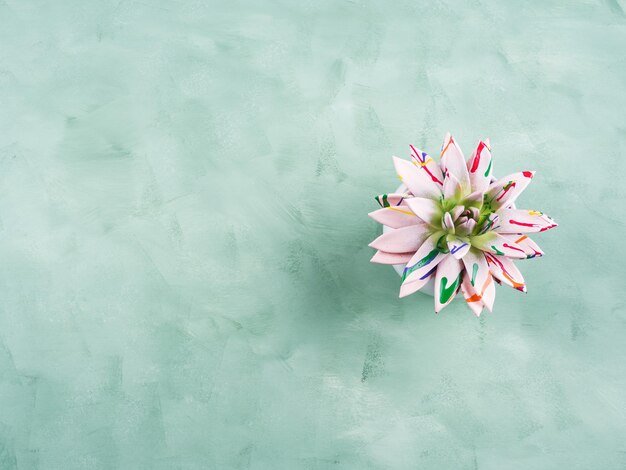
458,226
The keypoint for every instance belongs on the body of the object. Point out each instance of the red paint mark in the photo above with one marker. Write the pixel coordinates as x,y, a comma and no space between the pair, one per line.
433,177
507,188
524,224
492,260
506,245
425,167
416,154
548,227
528,174
476,161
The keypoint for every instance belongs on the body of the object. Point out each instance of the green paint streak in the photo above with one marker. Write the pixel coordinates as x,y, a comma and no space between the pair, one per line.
498,252
385,202
474,271
446,293
421,263
488,168
442,244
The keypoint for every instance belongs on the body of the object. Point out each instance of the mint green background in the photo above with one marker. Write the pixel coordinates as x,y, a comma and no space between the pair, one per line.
184,276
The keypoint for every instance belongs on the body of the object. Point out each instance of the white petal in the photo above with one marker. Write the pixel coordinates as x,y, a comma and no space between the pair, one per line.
453,162
447,281
426,209
415,179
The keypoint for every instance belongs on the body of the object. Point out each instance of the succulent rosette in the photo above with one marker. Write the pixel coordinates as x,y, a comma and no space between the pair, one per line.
457,225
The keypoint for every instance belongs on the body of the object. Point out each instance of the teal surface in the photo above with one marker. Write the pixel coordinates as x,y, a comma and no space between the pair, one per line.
184,275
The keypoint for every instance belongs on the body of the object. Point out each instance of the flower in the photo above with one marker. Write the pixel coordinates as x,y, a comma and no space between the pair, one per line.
457,224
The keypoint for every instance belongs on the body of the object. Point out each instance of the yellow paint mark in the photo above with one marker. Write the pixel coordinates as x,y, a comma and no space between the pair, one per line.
418,163
400,210
534,213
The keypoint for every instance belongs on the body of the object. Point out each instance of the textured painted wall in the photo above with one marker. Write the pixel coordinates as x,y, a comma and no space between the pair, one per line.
184,276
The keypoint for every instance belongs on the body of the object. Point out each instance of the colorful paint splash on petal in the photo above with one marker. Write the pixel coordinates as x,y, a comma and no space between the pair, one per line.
446,292
457,216
420,264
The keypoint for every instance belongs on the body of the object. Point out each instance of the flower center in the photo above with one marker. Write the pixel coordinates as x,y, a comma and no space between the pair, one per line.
460,221
466,221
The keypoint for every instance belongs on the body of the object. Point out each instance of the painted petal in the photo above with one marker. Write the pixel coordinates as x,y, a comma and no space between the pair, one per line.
453,162
492,242
489,293
419,182
452,188
523,221
530,247
447,281
480,280
426,209
489,223
476,267
395,217
425,163
473,300
479,166
401,240
391,200
503,269
447,223
457,246
422,265
382,257
505,191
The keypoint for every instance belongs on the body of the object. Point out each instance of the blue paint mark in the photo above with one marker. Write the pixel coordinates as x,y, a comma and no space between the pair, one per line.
428,273
457,248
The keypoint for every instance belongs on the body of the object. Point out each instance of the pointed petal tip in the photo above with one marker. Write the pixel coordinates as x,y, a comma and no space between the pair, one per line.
549,227
404,294
529,174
